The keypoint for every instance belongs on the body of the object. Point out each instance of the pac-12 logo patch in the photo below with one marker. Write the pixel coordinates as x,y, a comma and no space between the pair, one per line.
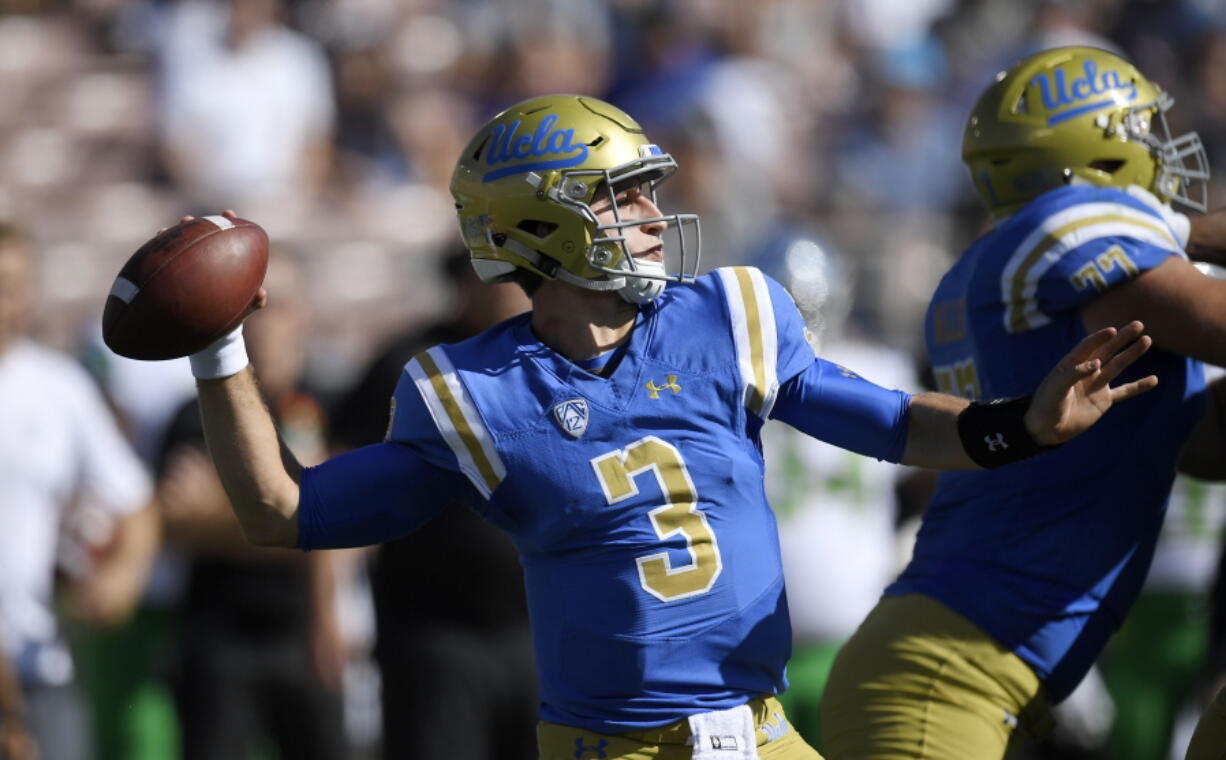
572,416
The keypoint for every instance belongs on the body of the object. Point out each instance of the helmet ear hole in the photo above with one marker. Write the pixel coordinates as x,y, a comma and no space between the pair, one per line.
537,228
1107,165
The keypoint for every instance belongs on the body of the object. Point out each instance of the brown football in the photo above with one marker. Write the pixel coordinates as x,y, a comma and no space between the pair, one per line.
185,288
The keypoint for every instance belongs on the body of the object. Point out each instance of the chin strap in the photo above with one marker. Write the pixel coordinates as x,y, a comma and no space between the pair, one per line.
629,281
641,290
617,283
535,259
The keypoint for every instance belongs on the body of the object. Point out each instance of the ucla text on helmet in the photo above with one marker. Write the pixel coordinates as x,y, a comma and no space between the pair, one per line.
506,145
1057,92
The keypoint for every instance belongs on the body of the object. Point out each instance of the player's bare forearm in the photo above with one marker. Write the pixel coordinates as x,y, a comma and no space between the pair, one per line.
1207,239
932,433
260,476
1074,396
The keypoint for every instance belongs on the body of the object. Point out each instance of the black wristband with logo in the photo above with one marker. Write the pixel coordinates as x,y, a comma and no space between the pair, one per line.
994,433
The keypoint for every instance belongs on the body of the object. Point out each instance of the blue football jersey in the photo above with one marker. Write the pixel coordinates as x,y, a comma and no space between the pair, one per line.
1047,555
636,500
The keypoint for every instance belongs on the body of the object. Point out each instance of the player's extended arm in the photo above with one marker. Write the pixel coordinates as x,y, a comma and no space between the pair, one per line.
259,473
362,497
944,433
1207,241
1184,312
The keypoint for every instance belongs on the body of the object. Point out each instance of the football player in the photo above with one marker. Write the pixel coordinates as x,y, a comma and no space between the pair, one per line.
1020,574
613,432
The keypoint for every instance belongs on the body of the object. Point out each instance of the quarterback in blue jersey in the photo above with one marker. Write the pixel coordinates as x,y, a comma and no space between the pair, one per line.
613,432
1020,574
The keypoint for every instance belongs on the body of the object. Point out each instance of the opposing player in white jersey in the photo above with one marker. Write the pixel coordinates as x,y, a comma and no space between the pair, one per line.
1020,575
613,432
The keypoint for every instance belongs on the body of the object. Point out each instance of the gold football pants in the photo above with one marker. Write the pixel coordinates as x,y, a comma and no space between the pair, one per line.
1209,739
919,682
776,740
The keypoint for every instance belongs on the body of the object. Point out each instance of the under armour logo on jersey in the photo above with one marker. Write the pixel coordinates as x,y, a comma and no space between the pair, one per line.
669,384
597,750
995,440
775,728
572,416
723,742
846,372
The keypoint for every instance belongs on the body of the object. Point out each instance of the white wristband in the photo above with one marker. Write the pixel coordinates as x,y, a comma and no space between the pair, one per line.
227,356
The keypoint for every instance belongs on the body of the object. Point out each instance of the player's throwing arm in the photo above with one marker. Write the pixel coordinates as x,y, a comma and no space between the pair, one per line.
186,292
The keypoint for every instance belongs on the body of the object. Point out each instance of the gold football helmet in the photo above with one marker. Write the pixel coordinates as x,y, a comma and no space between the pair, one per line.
1078,114
525,184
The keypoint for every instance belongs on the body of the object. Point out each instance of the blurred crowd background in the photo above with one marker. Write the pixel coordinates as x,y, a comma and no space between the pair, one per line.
334,124
832,124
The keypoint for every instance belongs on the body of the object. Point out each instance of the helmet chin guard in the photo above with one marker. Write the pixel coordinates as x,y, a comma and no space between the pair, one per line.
645,283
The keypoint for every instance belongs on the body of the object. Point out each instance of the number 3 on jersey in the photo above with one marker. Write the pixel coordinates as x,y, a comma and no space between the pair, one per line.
679,515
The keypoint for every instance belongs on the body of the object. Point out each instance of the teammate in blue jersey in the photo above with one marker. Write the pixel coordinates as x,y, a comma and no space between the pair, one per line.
613,432
1021,574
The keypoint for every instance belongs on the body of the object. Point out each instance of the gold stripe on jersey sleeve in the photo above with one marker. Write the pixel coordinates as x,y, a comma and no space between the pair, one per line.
757,351
1018,320
458,421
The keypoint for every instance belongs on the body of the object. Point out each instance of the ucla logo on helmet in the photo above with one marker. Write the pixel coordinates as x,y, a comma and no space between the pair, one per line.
1064,99
556,149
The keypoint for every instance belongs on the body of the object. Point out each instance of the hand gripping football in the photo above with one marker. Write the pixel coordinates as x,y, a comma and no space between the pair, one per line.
188,286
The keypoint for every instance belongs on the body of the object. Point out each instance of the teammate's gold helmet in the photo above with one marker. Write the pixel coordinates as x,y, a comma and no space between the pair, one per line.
524,186
1078,113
